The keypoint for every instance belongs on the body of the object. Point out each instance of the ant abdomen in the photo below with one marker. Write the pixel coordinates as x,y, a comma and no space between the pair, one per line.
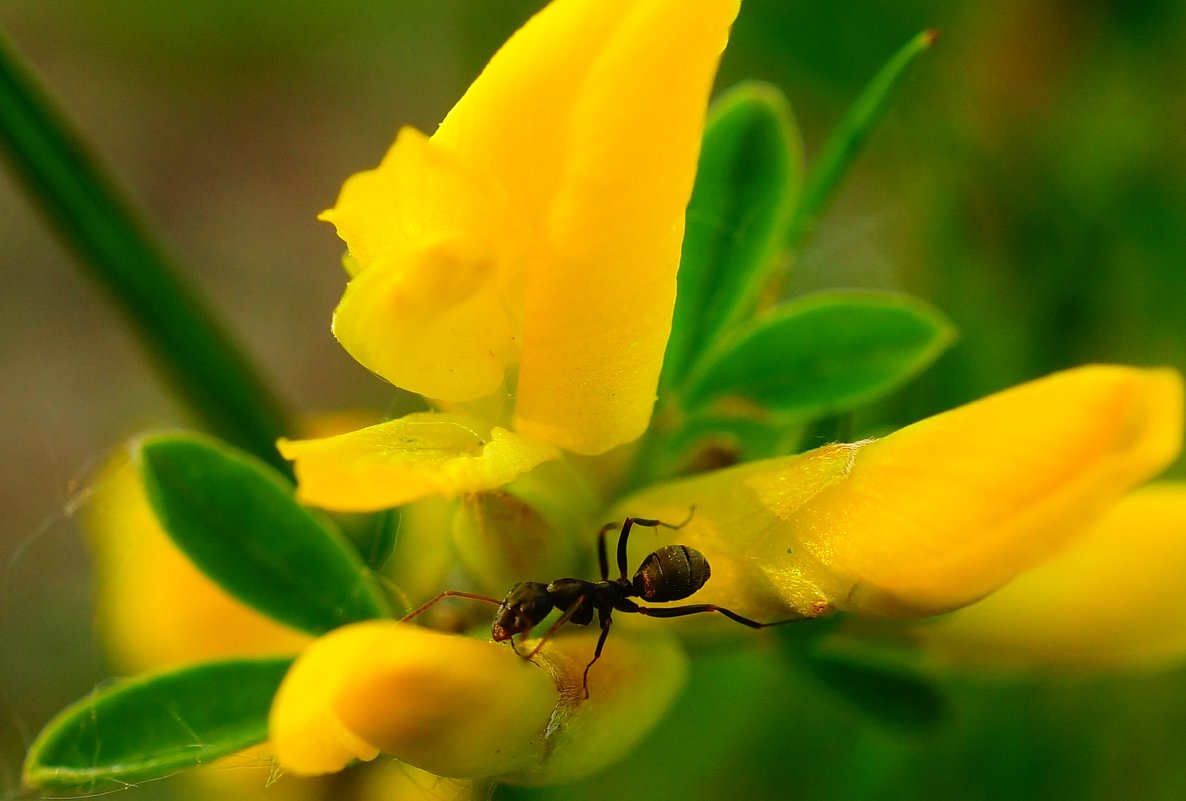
671,573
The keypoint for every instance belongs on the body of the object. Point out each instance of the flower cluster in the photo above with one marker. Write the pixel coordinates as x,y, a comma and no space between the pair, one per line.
518,271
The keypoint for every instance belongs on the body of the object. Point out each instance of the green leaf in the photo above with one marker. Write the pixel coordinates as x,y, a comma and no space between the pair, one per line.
384,533
846,141
749,172
154,725
825,354
210,373
891,694
237,521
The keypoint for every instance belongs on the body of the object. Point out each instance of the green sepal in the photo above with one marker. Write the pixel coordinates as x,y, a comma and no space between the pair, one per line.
824,354
749,173
154,725
845,143
238,522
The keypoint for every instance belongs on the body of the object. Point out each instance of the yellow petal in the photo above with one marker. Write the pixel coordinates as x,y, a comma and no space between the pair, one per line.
427,307
547,210
1116,598
431,320
157,610
514,122
446,704
599,298
464,708
402,460
934,516
419,193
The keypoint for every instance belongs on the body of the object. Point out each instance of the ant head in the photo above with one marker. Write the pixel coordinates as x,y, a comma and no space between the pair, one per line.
671,573
525,605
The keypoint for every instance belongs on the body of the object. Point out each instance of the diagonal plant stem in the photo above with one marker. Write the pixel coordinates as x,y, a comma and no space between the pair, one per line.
201,361
850,135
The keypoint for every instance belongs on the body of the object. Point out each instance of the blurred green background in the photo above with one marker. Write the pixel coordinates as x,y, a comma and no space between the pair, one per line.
1030,181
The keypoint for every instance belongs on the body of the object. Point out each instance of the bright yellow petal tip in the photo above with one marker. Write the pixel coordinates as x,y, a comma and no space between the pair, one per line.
1115,599
937,515
402,460
449,705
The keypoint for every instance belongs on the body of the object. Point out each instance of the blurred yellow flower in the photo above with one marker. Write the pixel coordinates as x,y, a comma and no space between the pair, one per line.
155,608
1115,599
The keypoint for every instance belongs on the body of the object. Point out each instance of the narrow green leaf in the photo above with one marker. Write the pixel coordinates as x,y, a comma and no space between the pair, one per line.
749,172
845,143
237,521
888,693
826,354
154,725
207,369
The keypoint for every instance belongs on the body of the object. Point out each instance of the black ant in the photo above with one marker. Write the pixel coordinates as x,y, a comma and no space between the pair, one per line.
671,573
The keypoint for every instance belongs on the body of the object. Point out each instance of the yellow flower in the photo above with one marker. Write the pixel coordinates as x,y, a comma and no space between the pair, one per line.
518,267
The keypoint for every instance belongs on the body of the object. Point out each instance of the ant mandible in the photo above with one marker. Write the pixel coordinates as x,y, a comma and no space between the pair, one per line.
671,573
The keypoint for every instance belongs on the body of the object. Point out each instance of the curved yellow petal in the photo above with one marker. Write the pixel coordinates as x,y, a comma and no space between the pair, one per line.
1117,598
464,708
416,456
599,298
447,704
155,609
431,320
420,192
427,307
932,517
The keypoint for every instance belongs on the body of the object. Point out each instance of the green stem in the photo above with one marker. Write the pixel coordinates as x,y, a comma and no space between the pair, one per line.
200,359
846,142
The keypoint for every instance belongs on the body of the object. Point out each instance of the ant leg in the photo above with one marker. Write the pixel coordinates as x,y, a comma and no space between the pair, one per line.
605,619
563,618
447,594
649,523
602,559
695,609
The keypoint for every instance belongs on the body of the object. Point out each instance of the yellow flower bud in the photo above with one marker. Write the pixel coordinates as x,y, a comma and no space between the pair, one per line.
936,515
466,708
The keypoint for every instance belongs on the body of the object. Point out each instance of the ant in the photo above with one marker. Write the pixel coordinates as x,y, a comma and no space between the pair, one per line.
671,573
